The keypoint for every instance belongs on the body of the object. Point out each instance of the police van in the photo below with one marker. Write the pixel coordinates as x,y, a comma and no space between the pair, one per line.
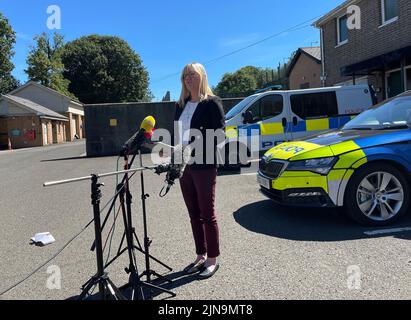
280,116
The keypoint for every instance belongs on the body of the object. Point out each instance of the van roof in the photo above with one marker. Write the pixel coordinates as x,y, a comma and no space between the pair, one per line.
339,88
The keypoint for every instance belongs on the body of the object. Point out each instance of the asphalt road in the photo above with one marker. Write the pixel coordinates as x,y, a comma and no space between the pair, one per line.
267,251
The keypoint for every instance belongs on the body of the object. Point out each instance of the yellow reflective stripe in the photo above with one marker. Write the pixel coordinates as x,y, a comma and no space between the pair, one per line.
317,124
300,182
336,175
348,159
231,132
344,147
359,163
287,150
271,128
322,152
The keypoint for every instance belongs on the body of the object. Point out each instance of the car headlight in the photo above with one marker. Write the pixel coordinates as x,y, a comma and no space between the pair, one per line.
321,165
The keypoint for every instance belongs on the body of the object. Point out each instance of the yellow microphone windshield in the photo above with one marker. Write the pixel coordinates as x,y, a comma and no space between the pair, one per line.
148,123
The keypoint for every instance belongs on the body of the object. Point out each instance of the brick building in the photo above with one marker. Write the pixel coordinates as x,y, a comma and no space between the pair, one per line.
378,53
34,115
304,70
24,123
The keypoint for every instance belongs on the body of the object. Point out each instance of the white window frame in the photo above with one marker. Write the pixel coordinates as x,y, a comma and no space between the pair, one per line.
340,43
387,73
384,21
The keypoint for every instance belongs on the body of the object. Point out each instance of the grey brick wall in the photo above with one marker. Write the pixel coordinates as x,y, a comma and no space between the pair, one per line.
370,41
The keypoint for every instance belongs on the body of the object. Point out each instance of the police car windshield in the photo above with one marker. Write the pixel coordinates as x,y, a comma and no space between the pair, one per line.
392,114
239,107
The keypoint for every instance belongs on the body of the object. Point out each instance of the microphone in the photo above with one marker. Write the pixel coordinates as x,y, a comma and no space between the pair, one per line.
140,137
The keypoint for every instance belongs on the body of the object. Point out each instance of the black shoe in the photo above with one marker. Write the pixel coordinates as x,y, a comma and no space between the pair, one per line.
193,268
205,273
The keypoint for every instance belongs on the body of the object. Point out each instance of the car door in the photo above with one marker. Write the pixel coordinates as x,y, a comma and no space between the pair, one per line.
269,119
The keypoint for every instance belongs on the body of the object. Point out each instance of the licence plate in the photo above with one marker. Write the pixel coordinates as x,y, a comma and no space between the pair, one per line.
263,182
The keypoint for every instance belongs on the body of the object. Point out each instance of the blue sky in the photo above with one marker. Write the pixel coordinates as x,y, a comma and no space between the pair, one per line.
169,34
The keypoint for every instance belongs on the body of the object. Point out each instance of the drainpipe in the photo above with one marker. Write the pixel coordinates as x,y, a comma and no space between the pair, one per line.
323,74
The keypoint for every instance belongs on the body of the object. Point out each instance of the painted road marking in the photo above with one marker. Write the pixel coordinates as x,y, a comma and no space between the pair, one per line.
385,231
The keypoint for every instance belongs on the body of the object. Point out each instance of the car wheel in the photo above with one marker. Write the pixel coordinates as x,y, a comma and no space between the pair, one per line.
377,195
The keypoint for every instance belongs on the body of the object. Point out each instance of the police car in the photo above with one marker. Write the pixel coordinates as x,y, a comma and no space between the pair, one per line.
364,167
280,116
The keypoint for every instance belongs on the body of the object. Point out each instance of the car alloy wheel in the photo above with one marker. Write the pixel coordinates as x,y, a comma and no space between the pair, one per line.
380,196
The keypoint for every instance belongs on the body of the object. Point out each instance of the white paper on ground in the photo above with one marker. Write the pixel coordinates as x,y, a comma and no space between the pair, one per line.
44,238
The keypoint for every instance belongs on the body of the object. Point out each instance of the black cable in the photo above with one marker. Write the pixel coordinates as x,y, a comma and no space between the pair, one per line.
65,246
53,257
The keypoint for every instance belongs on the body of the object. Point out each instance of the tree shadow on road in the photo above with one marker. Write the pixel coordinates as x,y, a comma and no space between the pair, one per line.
308,224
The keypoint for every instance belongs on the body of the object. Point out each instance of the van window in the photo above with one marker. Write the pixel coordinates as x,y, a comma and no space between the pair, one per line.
256,111
314,105
267,107
271,106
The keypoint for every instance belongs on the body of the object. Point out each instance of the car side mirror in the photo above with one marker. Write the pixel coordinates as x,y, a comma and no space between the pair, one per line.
248,117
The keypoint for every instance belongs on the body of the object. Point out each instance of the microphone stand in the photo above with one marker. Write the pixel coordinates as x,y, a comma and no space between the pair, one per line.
134,279
147,242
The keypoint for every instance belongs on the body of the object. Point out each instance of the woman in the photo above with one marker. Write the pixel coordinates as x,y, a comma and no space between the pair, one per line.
199,109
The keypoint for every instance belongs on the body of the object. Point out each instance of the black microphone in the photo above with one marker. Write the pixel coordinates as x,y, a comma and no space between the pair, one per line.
141,136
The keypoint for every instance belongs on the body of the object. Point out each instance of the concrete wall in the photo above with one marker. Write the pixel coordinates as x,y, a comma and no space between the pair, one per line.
305,71
108,126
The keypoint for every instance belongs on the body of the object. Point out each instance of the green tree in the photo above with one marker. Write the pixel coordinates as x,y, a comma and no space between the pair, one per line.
245,80
236,84
105,69
45,64
7,41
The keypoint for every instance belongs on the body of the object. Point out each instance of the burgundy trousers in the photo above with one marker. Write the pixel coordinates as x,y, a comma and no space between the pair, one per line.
198,188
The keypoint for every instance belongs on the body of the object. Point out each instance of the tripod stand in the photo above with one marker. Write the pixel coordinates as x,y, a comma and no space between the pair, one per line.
125,205
106,286
107,289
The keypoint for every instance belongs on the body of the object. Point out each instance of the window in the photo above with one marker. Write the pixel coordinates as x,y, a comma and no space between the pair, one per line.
314,105
389,10
271,106
342,30
255,110
267,107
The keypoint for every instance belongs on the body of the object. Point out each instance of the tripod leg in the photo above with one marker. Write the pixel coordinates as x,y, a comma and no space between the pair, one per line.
87,286
153,258
114,290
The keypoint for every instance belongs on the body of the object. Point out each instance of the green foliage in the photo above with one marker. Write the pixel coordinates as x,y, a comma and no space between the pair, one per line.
104,69
45,64
7,41
245,81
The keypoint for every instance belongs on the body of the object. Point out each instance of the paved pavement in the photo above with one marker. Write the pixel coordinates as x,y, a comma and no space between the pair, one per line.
268,251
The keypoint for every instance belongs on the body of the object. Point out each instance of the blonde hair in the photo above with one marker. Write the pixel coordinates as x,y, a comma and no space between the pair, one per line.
204,89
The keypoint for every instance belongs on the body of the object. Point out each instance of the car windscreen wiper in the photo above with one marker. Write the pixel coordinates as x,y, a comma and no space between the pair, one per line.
394,127
359,128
